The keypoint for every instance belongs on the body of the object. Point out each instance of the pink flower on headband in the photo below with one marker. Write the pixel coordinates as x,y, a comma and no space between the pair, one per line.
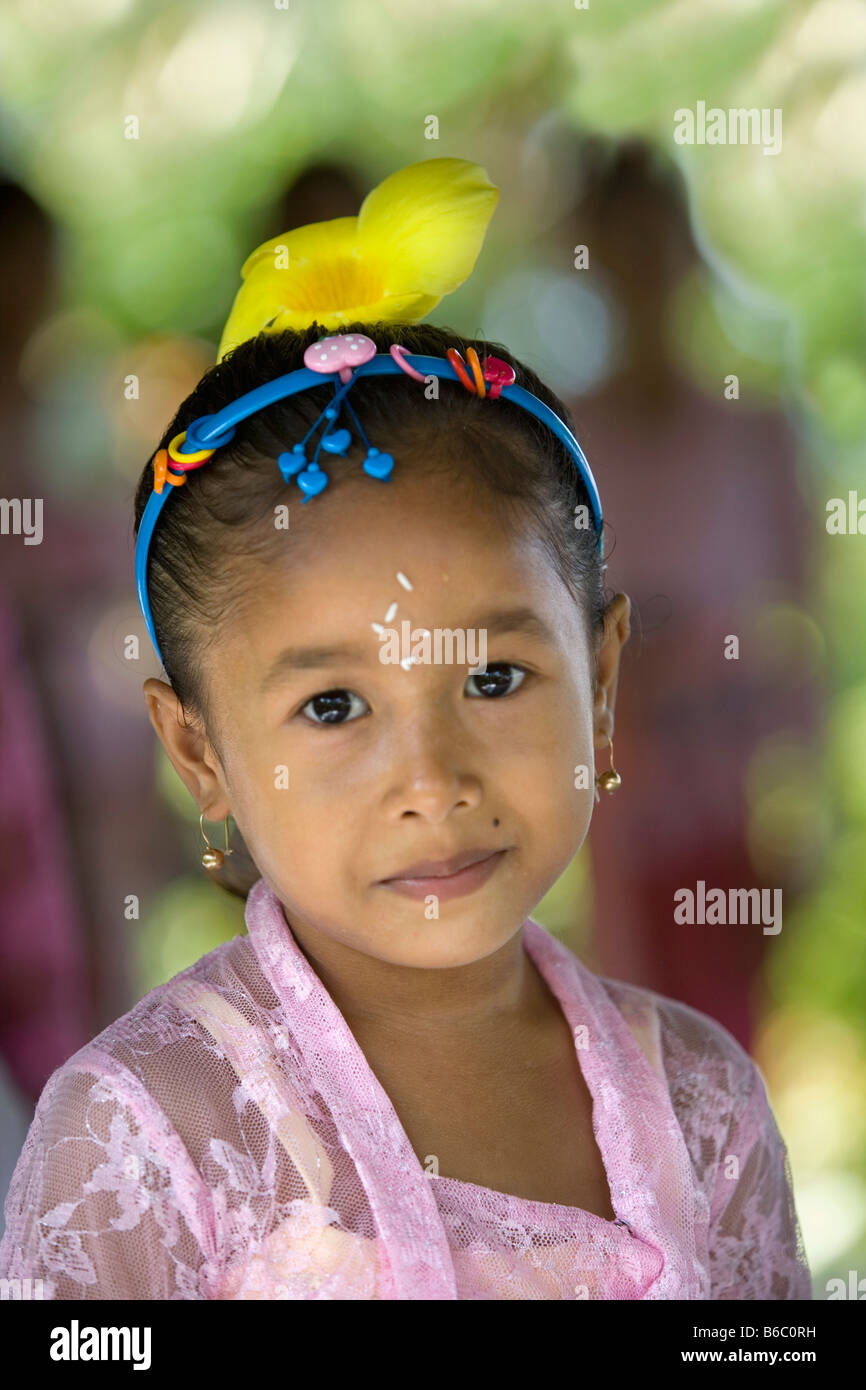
498,374
340,352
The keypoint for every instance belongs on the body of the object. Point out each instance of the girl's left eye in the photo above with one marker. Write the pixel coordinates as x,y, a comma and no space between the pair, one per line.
493,682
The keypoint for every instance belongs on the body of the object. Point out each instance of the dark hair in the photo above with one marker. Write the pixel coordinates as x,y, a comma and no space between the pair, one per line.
212,528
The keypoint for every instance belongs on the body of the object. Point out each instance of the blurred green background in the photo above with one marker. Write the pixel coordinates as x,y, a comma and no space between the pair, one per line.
159,140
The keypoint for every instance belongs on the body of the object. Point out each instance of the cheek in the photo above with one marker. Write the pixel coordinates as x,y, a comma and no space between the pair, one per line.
296,806
552,751
262,791
560,799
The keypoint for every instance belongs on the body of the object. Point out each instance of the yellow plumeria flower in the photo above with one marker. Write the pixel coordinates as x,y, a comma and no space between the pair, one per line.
416,238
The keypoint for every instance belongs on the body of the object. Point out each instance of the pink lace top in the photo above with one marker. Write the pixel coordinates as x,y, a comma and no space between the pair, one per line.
227,1139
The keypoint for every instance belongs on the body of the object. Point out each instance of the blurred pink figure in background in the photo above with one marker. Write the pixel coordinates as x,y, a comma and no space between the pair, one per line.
43,993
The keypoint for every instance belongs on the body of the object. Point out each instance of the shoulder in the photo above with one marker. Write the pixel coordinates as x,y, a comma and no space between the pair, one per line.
689,1040
681,1043
710,1076
160,1016
164,1060
711,1079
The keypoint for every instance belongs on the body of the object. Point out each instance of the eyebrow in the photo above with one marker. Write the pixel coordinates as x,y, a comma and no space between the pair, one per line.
497,624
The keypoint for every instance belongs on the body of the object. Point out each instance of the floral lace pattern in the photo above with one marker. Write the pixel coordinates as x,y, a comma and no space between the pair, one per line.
227,1139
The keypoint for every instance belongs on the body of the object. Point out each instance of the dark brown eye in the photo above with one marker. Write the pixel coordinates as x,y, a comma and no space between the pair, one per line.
331,706
494,681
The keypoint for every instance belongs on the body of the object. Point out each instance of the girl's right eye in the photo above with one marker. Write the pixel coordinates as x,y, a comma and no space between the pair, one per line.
332,705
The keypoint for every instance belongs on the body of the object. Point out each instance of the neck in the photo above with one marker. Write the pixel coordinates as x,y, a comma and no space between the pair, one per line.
460,1004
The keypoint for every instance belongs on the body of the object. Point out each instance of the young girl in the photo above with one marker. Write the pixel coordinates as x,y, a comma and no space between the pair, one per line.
396,1085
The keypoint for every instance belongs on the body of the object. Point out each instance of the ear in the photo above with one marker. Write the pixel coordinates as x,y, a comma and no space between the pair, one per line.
617,630
191,754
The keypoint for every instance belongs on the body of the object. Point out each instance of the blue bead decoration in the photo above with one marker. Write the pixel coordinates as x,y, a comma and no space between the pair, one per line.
331,412
312,481
378,465
290,464
336,442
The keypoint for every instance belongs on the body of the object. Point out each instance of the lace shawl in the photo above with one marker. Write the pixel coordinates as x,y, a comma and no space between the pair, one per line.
227,1139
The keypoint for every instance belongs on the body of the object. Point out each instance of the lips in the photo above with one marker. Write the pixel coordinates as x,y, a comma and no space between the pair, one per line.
441,868
426,878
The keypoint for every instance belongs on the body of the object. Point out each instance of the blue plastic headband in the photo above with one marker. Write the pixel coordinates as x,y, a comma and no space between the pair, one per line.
213,431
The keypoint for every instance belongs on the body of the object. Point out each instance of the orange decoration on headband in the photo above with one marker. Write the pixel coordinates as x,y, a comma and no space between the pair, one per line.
459,366
472,356
161,474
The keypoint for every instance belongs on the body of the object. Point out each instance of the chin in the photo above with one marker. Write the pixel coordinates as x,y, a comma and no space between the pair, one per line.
440,944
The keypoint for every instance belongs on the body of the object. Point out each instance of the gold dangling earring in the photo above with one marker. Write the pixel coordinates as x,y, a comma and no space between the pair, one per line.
213,858
611,779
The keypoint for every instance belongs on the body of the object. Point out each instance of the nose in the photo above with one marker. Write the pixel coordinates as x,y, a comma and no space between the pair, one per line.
432,774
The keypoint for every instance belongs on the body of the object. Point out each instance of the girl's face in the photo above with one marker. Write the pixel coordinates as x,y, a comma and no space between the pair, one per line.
343,771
